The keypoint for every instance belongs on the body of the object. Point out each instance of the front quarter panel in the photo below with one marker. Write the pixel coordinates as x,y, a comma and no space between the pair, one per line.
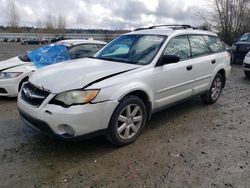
114,89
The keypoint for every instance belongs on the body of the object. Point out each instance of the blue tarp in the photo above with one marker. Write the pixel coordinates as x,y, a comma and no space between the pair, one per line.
48,55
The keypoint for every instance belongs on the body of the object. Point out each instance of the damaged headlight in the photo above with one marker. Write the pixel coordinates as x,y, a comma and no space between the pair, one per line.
7,75
76,97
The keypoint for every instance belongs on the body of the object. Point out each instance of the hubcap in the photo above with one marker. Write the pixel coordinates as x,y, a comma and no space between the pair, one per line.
216,88
129,121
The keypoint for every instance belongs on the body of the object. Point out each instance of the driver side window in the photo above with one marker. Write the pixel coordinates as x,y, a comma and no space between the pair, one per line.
180,47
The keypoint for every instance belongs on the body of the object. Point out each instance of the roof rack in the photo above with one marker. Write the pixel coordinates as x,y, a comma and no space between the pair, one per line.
173,26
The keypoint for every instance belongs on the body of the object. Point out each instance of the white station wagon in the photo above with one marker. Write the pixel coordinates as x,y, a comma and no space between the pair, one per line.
116,92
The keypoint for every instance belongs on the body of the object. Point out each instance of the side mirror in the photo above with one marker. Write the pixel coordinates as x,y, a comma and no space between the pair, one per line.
168,59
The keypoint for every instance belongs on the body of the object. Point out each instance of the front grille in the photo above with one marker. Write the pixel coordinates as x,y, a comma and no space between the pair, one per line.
33,95
37,124
3,91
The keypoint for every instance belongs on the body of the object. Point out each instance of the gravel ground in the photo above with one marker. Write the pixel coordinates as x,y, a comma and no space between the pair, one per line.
188,145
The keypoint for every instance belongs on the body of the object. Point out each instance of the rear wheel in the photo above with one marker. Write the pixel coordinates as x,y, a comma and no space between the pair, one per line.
247,73
127,121
215,90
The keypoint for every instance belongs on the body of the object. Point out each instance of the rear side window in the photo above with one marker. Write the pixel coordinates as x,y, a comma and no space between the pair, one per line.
198,46
179,46
215,44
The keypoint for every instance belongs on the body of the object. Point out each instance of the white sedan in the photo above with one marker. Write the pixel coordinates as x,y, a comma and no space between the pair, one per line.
17,70
246,65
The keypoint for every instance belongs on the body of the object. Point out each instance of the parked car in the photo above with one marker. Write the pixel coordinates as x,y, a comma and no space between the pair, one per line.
57,38
240,48
116,92
246,65
34,42
15,71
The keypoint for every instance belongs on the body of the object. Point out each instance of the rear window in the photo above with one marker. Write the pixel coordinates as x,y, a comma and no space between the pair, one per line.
215,44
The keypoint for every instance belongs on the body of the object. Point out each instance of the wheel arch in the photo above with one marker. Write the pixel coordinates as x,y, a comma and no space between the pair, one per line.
144,97
222,72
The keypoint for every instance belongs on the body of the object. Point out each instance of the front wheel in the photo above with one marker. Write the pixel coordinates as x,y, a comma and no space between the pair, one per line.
247,73
215,90
127,121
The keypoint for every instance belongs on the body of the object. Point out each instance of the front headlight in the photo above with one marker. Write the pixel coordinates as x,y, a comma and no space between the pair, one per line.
75,97
7,75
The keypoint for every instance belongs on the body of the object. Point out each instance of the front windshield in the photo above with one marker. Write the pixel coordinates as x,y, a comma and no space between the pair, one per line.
135,49
245,37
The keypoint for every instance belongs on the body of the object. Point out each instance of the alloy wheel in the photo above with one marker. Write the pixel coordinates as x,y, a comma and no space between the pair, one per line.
216,88
129,121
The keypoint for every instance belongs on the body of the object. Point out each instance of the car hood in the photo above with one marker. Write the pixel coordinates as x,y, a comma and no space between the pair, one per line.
77,74
11,63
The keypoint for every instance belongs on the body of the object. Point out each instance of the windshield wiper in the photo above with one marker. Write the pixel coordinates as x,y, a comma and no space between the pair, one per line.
117,60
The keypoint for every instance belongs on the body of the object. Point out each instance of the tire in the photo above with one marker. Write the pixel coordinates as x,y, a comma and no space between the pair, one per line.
215,90
247,73
124,119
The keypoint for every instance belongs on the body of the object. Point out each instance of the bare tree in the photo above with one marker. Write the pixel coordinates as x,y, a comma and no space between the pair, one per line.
39,23
61,24
13,16
230,18
50,24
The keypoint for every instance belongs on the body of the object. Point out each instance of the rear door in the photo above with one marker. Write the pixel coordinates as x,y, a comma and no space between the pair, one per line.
174,82
204,62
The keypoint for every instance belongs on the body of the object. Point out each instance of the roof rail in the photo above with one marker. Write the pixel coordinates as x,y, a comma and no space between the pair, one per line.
138,29
172,26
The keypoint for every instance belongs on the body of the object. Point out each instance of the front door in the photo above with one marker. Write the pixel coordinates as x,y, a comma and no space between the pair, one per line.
174,82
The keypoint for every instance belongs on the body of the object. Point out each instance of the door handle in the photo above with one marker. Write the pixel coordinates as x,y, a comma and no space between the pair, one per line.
189,67
213,61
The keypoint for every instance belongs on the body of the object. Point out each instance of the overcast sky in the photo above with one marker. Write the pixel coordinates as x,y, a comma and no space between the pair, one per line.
105,14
